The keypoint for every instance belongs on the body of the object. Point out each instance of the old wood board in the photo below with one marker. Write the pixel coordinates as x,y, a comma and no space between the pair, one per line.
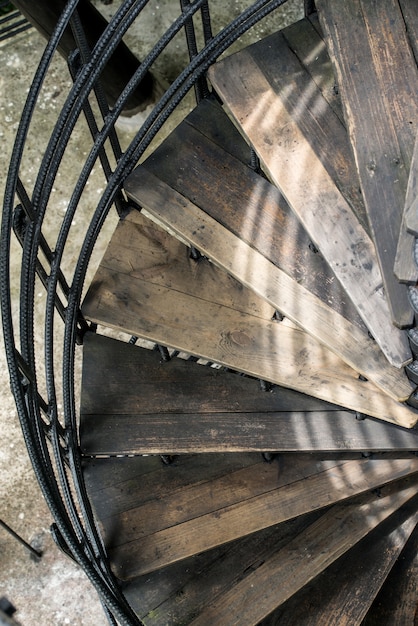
254,270
197,308
295,565
115,485
189,586
344,592
207,531
131,403
294,130
120,484
247,205
397,602
411,202
379,98
185,588
203,494
266,222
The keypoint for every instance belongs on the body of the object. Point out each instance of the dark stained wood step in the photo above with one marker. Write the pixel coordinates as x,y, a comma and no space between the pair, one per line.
210,520
344,592
296,564
341,594
296,134
130,495
379,99
177,593
132,403
397,602
197,308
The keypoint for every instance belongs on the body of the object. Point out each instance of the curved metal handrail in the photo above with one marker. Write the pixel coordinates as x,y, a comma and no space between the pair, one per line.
52,440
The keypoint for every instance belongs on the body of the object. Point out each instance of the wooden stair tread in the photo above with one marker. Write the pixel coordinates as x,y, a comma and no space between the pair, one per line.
129,495
341,594
397,603
178,592
254,270
267,223
179,406
182,590
411,202
296,564
132,403
344,592
306,42
295,131
380,104
214,525
199,309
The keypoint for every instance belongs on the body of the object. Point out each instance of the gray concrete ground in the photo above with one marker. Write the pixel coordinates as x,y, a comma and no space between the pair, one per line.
52,590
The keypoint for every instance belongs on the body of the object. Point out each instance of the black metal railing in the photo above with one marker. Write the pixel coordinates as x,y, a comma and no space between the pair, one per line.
57,248
11,21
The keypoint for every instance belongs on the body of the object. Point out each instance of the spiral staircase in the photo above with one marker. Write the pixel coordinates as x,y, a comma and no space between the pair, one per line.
222,413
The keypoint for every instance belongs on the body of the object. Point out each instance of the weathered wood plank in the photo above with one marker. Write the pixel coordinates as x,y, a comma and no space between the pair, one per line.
210,120
397,602
306,42
137,381
119,484
196,497
287,431
289,569
411,202
185,588
221,320
131,403
344,592
410,15
248,206
295,131
382,113
252,269
207,531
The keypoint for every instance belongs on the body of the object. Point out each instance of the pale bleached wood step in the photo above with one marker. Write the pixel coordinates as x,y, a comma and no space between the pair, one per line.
411,202
345,591
381,110
285,116
199,309
206,523
259,256
310,553
254,270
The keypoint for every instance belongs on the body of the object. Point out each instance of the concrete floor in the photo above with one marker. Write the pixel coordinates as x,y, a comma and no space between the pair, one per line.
52,590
